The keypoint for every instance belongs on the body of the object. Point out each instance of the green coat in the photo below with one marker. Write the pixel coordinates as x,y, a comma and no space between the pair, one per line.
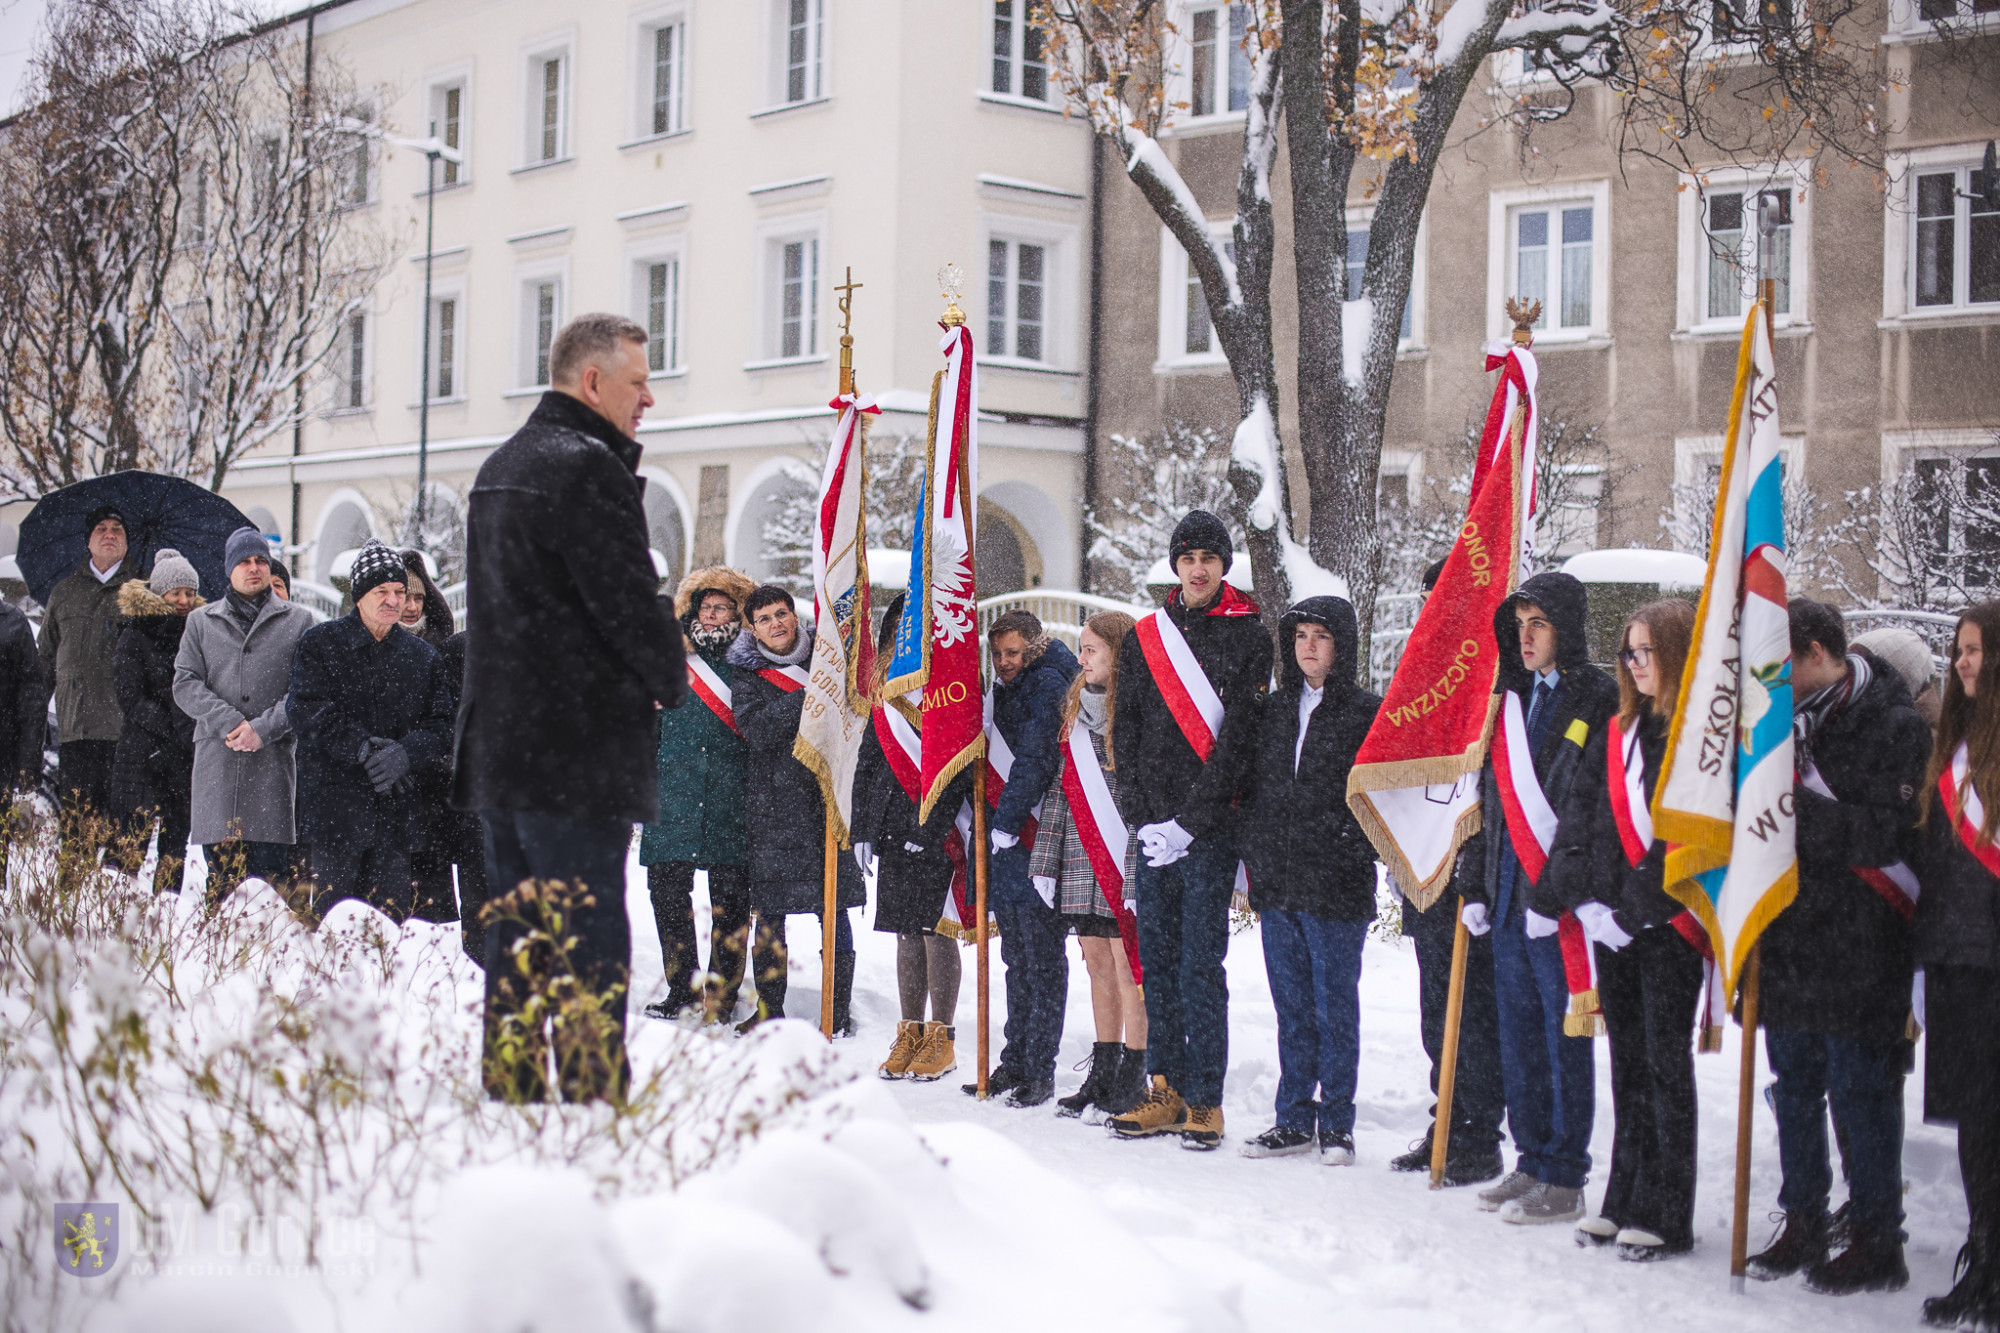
700,762
79,637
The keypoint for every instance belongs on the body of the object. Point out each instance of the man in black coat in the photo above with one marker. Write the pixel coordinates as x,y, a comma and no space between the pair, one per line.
24,702
372,708
568,654
1835,985
1175,799
1550,1077
1312,876
1031,676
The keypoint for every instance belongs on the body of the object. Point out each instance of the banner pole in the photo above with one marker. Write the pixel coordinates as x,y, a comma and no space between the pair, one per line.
1461,941
979,910
826,930
1739,1234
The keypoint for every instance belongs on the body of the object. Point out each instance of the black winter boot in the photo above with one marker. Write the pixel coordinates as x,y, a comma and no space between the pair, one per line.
1418,1158
843,995
1976,1294
1125,1088
1873,1261
1800,1244
1103,1063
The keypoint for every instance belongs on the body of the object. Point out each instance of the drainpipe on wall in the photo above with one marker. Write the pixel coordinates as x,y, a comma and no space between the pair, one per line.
1095,373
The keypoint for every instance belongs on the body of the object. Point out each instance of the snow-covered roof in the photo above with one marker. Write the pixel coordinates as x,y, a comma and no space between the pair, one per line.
1669,569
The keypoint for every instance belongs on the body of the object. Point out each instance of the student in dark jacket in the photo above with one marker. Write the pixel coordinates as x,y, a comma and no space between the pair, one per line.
1834,989
1312,875
1649,977
782,807
153,774
1031,676
1958,947
426,615
23,702
371,706
1175,800
1550,1076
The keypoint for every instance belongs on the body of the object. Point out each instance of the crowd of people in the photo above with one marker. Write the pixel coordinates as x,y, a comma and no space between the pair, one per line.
322,755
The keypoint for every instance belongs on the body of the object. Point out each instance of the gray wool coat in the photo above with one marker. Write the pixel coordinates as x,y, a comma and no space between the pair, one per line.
221,677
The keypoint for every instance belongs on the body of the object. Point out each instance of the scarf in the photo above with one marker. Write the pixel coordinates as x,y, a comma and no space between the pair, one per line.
797,657
1091,708
246,609
714,637
1826,704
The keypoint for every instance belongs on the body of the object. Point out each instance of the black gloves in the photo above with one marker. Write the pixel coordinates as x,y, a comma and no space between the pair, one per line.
388,764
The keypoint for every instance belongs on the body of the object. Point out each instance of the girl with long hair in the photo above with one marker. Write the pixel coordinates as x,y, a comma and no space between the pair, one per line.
1609,870
1958,948
1062,871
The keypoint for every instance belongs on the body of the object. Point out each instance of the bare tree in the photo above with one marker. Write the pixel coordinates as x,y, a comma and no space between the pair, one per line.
1186,467
895,468
1928,538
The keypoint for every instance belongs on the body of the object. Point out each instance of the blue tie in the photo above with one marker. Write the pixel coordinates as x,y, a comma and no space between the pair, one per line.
1538,714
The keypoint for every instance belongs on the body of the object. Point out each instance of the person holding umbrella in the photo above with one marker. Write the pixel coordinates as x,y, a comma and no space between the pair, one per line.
79,636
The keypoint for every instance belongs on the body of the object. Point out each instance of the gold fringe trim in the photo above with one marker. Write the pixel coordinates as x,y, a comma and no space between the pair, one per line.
964,758
1583,1025
1585,1002
816,762
1710,1041
951,930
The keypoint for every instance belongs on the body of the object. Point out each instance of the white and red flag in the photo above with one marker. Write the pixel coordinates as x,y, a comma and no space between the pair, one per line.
835,716
1415,783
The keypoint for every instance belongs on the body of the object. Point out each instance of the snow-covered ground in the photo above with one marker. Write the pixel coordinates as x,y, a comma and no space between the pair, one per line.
898,1205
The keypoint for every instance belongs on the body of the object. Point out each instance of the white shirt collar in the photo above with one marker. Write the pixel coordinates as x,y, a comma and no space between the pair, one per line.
1551,678
105,575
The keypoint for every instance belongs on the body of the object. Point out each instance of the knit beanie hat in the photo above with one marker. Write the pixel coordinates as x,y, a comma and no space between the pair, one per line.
280,572
374,565
242,544
99,514
171,570
1200,531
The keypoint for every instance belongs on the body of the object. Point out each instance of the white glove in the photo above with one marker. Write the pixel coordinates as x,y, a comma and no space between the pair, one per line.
1917,997
1132,906
1046,886
913,849
1002,840
1600,925
1537,926
864,856
1164,843
1474,917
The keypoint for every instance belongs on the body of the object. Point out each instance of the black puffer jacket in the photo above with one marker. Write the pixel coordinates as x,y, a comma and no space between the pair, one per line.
1160,776
1958,916
155,755
1838,960
782,808
1303,847
1584,699
1588,863
1028,712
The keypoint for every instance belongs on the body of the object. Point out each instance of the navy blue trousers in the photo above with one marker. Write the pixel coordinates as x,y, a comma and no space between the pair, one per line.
1864,1081
1315,970
1033,948
1183,935
1551,1079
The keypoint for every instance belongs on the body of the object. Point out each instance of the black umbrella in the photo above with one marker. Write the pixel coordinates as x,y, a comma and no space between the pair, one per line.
159,511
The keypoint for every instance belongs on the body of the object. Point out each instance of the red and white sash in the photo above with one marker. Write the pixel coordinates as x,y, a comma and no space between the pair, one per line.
787,678
999,769
1967,811
1182,683
1896,883
1101,830
903,746
709,687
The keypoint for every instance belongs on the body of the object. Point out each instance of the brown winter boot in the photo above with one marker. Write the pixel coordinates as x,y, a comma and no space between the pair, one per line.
1204,1129
1163,1112
934,1058
909,1036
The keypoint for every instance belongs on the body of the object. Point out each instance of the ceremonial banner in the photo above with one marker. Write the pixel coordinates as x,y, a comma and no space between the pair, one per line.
937,639
1724,799
1415,783
836,709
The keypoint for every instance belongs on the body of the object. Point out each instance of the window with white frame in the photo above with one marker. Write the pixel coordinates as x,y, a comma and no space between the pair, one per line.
448,125
1719,246
1187,335
799,27
1698,476
1954,259
656,303
546,84
350,364
1017,299
1358,227
447,334
1020,68
1961,495
1550,244
662,51
357,174
1218,65
792,300
541,316
1948,11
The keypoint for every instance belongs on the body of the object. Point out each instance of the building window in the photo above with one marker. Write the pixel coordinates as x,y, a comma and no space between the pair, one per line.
1956,257
1729,277
448,128
548,75
351,365
1020,68
1186,335
1554,257
541,316
1218,64
801,50
357,174
666,78
1944,11
658,289
1017,281
446,323
1357,262
1961,495
794,267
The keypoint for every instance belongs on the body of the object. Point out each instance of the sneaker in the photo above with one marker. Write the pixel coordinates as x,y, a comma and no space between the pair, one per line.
1204,1129
1001,1079
909,1036
1418,1158
1644,1247
1543,1204
1336,1149
1513,1187
1162,1112
1471,1167
1031,1092
1278,1141
1873,1262
1799,1244
1596,1231
934,1058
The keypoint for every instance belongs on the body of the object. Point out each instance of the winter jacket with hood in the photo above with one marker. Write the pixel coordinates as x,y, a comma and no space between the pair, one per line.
1028,713
1838,960
701,762
224,676
79,633
782,808
1585,698
24,700
1302,846
155,756
568,647
1160,776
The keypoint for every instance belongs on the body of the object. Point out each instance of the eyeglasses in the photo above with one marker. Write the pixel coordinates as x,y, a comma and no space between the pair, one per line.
1632,657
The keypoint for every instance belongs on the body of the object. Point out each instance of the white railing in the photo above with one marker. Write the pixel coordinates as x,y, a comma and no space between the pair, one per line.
318,598
1061,612
1395,617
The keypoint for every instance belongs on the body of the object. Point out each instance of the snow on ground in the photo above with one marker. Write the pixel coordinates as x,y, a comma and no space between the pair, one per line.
900,1205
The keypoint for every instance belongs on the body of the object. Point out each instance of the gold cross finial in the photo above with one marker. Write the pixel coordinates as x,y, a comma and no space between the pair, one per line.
847,290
